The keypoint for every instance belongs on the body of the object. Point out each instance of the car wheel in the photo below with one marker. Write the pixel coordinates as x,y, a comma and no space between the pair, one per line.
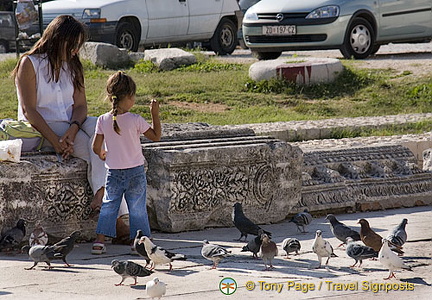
375,49
266,55
127,37
4,47
359,39
224,40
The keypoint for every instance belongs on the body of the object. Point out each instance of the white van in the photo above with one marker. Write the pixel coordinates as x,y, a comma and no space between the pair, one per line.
133,23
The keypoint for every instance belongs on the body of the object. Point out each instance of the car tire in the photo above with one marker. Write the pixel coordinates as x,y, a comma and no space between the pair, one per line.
4,47
224,40
375,49
359,39
127,37
266,55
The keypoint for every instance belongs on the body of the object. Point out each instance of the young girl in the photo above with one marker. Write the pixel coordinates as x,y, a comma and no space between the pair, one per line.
120,130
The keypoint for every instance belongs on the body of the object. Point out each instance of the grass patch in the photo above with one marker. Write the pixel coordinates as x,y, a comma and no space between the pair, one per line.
222,93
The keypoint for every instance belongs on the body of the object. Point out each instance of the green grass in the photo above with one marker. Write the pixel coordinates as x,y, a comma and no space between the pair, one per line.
221,93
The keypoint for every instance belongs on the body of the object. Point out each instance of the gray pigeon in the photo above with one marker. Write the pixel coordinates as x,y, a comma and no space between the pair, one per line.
254,245
398,237
268,251
127,268
291,245
341,231
214,253
243,224
66,245
140,249
358,251
40,253
302,219
13,237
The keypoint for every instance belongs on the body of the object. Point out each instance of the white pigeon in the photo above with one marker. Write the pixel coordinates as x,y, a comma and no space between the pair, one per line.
322,248
155,288
214,253
390,260
158,255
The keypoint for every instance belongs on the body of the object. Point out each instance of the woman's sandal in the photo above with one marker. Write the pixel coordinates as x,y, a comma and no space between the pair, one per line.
98,248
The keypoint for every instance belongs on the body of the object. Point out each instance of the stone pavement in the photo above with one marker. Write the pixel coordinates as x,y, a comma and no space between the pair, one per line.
91,277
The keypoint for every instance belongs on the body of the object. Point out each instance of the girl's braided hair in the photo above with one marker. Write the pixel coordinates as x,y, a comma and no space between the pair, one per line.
119,86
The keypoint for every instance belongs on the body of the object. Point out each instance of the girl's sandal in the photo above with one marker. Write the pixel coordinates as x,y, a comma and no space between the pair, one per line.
98,248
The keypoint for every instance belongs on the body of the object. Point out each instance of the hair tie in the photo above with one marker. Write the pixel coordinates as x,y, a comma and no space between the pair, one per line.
114,118
114,97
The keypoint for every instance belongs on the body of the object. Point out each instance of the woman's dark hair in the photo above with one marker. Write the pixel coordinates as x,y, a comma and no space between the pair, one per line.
119,86
63,35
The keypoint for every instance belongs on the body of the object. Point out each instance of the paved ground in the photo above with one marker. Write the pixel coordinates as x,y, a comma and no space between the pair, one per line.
90,277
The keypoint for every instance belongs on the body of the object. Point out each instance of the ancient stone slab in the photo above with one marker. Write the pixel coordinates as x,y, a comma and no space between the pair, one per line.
297,70
169,58
105,55
40,188
193,185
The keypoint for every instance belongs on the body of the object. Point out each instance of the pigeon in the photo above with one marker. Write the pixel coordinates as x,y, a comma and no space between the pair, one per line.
140,249
214,253
13,237
341,231
127,268
368,236
254,245
159,255
155,288
398,237
268,251
291,245
40,253
390,260
66,245
322,248
358,251
38,236
301,220
243,224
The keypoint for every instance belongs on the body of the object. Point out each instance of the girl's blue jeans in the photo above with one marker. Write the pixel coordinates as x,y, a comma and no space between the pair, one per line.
131,183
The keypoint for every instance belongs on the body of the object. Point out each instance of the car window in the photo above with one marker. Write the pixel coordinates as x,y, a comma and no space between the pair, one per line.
6,20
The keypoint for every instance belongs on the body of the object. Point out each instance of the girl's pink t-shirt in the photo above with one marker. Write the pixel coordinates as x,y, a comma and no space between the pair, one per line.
123,151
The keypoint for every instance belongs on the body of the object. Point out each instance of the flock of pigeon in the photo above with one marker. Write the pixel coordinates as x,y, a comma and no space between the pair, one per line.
388,250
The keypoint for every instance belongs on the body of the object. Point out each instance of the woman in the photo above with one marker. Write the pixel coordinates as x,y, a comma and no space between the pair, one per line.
51,96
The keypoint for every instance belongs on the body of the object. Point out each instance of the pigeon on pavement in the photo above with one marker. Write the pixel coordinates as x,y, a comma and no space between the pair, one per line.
13,237
40,253
359,252
254,245
268,251
140,249
397,237
214,253
66,245
341,231
38,236
159,255
390,260
302,219
368,236
243,224
127,268
322,248
155,288
291,245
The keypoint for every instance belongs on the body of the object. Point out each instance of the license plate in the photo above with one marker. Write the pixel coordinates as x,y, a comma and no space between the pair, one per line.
279,30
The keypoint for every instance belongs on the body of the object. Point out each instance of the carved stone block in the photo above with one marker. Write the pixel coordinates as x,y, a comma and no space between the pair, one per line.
194,184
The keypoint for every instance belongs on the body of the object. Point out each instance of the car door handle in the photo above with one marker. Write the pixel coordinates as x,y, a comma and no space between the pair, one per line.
182,0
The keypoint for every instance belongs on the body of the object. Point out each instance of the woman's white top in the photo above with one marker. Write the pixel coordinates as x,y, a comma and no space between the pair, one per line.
54,99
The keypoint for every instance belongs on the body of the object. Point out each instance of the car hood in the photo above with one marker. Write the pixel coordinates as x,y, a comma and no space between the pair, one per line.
272,6
71,5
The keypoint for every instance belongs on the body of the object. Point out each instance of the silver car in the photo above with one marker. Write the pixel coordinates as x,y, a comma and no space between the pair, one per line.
356,27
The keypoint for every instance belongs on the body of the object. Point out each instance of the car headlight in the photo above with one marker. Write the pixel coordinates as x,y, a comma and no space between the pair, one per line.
330,11
91,13
250,16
